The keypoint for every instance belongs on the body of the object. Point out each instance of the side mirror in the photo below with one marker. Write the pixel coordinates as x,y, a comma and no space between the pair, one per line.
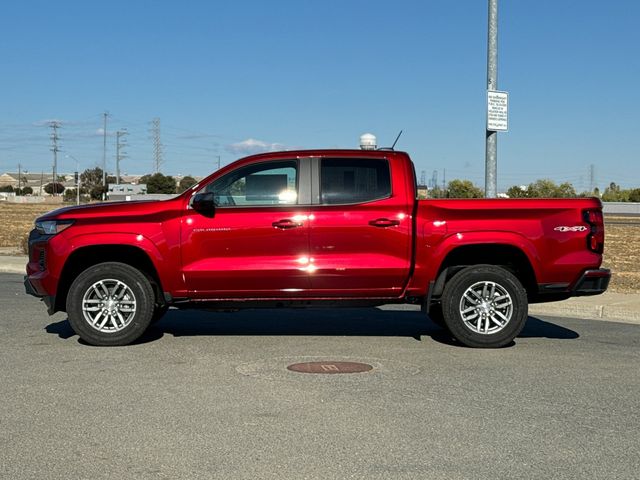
204,203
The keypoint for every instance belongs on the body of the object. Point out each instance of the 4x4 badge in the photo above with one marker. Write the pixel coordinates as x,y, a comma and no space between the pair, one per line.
577,228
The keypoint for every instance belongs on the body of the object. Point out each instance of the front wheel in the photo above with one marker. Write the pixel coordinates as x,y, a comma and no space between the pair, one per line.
484,306
110,304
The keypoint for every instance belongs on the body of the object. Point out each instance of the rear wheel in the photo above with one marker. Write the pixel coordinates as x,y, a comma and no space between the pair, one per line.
110,304
484,306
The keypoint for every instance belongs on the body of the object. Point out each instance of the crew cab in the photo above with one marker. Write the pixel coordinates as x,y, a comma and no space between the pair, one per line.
314,228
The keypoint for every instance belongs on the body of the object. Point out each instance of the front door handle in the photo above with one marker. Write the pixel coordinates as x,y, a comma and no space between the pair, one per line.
286,223
384,222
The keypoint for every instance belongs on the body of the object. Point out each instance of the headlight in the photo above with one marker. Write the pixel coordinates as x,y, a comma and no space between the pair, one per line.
51,227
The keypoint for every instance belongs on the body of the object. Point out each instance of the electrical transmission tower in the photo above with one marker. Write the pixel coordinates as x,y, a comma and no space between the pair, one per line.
423,178
120,155
592,178
54,148
157,144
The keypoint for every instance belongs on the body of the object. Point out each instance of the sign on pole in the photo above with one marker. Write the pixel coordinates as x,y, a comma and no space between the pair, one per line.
497,111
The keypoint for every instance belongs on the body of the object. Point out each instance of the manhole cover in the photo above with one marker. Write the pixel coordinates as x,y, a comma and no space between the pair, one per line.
330,367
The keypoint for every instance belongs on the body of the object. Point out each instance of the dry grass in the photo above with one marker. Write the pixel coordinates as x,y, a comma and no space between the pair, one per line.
622,253
16,221
622,244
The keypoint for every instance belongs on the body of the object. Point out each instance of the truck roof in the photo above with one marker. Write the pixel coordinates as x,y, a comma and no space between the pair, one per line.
354,153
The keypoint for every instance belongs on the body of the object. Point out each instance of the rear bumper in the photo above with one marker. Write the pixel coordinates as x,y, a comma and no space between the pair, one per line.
592,282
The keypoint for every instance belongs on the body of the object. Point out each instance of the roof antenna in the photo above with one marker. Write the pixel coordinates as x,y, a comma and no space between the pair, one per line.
397,138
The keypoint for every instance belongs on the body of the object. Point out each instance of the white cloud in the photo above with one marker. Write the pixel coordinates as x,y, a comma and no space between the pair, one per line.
251,145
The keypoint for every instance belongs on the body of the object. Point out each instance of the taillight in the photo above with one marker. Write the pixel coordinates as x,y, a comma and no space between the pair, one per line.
595,239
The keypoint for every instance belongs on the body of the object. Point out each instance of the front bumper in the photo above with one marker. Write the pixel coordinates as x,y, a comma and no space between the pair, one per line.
592,282
49,300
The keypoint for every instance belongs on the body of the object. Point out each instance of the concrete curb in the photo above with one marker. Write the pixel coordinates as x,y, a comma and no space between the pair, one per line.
13,264
611,306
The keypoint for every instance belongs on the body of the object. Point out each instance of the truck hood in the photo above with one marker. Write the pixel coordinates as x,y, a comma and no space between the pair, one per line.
112,210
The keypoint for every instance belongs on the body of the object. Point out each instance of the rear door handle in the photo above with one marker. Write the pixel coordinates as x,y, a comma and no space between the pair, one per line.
286,223
384,222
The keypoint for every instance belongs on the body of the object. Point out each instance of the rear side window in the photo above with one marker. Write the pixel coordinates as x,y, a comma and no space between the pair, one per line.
353,180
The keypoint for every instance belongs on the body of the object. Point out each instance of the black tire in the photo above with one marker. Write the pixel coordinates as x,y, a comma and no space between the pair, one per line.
122,315
482,324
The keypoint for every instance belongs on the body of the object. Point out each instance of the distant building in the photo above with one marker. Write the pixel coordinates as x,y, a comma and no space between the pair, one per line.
127,189
36,181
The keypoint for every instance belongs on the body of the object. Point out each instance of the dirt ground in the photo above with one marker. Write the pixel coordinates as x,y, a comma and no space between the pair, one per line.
622,242
622,253
16,221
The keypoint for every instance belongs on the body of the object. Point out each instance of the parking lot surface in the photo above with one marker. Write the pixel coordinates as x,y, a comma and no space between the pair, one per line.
208,396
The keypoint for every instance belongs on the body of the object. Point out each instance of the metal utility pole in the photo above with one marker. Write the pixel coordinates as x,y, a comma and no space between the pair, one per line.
157,144
491,155
54,148
119,153
104,155
218,161
76,176
19,178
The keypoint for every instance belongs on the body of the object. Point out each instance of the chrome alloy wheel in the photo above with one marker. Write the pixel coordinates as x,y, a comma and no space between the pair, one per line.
109,305
486,307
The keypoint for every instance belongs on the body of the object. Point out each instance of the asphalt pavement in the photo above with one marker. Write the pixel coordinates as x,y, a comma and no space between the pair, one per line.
208,396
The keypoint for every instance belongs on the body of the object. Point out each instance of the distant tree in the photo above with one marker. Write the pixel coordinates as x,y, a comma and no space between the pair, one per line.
565,190
91,181
436,192
51,187
91,177
543,188
517,191
613,193
634,195
159,183
185,183
24,191
70,194
6,188
463,189
96,192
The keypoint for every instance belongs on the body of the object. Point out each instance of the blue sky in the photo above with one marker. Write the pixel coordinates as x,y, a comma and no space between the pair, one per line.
230,78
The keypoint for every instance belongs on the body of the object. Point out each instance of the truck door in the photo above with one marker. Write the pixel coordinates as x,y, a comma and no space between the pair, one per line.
360,232
256,244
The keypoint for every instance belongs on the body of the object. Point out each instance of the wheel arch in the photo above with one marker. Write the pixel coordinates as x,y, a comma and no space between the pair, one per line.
87,256
508,256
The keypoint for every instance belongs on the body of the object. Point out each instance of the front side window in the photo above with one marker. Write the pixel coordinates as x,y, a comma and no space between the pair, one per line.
262,184
354,180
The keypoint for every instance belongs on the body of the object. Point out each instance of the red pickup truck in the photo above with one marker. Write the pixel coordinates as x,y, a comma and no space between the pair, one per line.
315,228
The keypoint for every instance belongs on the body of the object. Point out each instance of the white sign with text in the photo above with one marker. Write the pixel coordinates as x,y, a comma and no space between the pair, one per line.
497,111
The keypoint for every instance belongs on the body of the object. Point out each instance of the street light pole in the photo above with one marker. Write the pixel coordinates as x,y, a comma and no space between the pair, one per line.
491,152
